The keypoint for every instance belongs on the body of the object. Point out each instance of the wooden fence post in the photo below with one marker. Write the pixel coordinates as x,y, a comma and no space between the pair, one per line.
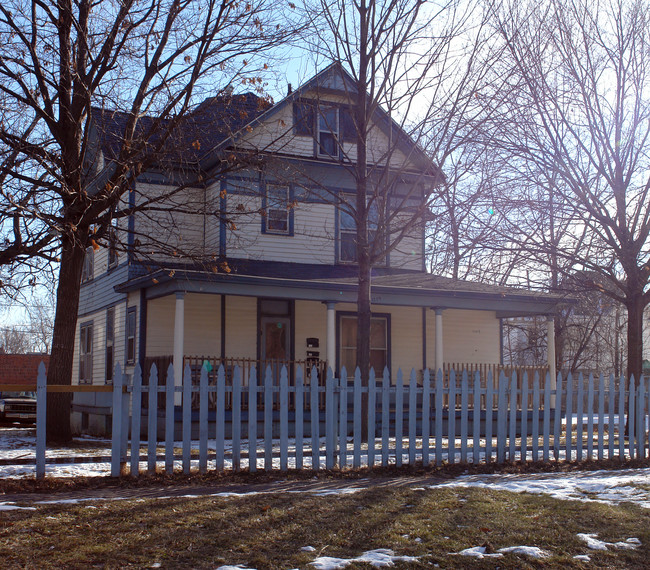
203,420
41,420
116,426
136,414
426,416
169,420
252,420
315,419
152,420
372,410
187,419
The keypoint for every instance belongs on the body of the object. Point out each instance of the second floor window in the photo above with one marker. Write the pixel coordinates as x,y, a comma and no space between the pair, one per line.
278,211
110,344
130,335
347,238
112,247
86,353
87,269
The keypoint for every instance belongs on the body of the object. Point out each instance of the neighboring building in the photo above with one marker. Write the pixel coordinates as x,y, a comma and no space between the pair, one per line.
21,368
272,273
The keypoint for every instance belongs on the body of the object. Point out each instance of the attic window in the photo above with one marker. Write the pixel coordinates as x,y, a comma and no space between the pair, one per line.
327,123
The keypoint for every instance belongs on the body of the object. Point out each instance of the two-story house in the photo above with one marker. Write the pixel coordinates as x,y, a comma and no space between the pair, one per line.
268,270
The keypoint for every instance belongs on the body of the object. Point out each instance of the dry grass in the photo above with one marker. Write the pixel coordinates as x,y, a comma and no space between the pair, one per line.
267,530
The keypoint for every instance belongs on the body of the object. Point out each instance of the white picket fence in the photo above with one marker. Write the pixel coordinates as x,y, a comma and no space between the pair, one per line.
406,421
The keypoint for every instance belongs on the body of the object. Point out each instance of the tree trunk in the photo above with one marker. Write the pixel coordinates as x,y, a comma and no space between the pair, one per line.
634,306
65,321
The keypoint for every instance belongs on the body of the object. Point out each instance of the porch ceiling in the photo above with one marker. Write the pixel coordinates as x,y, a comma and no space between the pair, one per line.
390,286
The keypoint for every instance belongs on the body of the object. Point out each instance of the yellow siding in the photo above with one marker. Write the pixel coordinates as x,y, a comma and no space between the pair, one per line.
202,325
470,336
160,326
310,321
241,327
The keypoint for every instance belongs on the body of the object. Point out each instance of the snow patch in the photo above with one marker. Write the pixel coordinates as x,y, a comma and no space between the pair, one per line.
380,558
14,507
478,552
531,551
595,544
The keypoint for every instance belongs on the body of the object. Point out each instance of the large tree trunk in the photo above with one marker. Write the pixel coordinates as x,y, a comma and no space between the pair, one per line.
634,306
65,321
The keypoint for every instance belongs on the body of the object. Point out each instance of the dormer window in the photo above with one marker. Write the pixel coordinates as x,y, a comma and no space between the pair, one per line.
328,124
328,131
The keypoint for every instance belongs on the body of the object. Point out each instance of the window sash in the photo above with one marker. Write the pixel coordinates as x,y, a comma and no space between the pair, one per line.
130,336
328,131
86,354
87,268
277,209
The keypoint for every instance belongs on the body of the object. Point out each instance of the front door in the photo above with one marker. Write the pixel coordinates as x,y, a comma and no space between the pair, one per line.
275,338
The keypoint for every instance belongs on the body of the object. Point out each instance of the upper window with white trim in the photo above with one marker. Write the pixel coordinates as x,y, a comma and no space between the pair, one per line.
328,123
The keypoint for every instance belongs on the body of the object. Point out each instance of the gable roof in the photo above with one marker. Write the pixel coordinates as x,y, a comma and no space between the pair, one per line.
218,122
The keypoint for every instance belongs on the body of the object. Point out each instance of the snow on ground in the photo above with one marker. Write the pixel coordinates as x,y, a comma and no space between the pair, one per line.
380,558
595,544
611,487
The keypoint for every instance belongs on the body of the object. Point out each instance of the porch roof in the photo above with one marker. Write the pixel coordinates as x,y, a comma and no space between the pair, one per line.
327,283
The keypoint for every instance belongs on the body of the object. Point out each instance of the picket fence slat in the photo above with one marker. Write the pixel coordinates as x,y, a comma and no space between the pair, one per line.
299,424
268,419
252,420
358,417
385,424
187,419
426,416
372,403
152,420
413,394
203,420
399,417
464,396
135,421
315,419
451,430
236,419
448,418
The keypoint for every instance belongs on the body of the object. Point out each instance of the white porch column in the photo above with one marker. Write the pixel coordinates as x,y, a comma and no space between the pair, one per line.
179,340
331,336
550,341
439,351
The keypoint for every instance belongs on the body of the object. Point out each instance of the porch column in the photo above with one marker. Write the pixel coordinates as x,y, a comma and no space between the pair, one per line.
331,336
179,332
439,352
550,341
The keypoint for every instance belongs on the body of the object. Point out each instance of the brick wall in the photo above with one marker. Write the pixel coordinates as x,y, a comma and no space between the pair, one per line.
21,368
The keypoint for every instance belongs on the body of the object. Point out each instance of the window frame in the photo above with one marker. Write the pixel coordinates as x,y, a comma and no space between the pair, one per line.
285,211
109,361
130,331
341,316
341,229
86,334
113,257
88,267
325,129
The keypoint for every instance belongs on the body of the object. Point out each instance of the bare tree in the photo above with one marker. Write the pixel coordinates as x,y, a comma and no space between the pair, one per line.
576,116
63,66
411,72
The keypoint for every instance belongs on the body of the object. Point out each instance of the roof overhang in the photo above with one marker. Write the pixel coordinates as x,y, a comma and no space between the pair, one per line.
512,304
